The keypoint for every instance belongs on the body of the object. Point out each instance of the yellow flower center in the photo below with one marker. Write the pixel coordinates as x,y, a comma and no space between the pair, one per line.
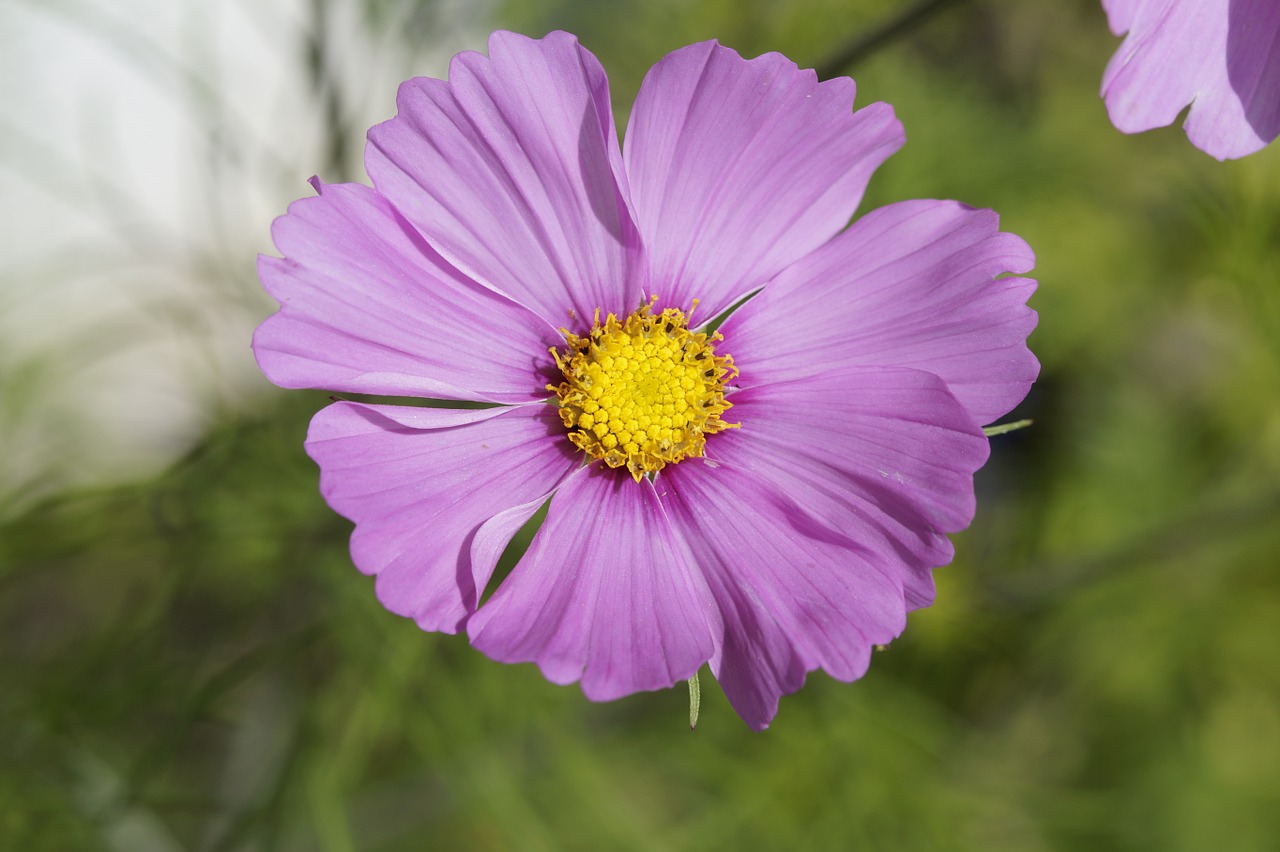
644,392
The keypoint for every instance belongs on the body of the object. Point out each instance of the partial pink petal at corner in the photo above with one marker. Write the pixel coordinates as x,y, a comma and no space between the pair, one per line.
1221,57
606,594
912,285
740,167
419,482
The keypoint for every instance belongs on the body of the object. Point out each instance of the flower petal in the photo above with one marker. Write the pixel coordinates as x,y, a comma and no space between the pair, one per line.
418,482
510,169
1220,56
911,284
793,594
606,593
367,307
1120,14
738,168
885,455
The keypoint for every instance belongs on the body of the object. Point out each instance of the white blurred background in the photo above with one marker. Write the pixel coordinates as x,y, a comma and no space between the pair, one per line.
145,147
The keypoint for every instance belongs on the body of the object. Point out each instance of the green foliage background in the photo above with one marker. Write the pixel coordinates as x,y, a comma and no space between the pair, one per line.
192,662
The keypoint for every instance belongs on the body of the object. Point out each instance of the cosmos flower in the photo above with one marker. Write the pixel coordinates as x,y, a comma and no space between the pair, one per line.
770,497
1220,56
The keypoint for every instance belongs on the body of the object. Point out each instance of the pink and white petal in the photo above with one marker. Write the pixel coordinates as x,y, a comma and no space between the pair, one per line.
793,594
1222,57
366,306
606,593
885,455
913,285
740,167
420,482
512,170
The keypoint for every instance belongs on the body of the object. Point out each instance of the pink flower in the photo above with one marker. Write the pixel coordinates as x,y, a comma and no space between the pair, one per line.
770,501
1220,56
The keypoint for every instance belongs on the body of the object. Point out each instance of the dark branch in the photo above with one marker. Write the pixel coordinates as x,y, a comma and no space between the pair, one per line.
867,43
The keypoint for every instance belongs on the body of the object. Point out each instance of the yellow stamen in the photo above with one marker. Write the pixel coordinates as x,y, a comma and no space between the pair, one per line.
642,393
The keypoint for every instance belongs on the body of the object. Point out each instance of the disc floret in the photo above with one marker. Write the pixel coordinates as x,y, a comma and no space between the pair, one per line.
643,392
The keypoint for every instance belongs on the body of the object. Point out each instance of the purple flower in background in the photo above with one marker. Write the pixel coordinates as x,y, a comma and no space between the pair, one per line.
1220,56
770,498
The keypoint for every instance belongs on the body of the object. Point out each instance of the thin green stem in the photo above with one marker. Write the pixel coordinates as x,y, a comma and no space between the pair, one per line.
1004,428
695,700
